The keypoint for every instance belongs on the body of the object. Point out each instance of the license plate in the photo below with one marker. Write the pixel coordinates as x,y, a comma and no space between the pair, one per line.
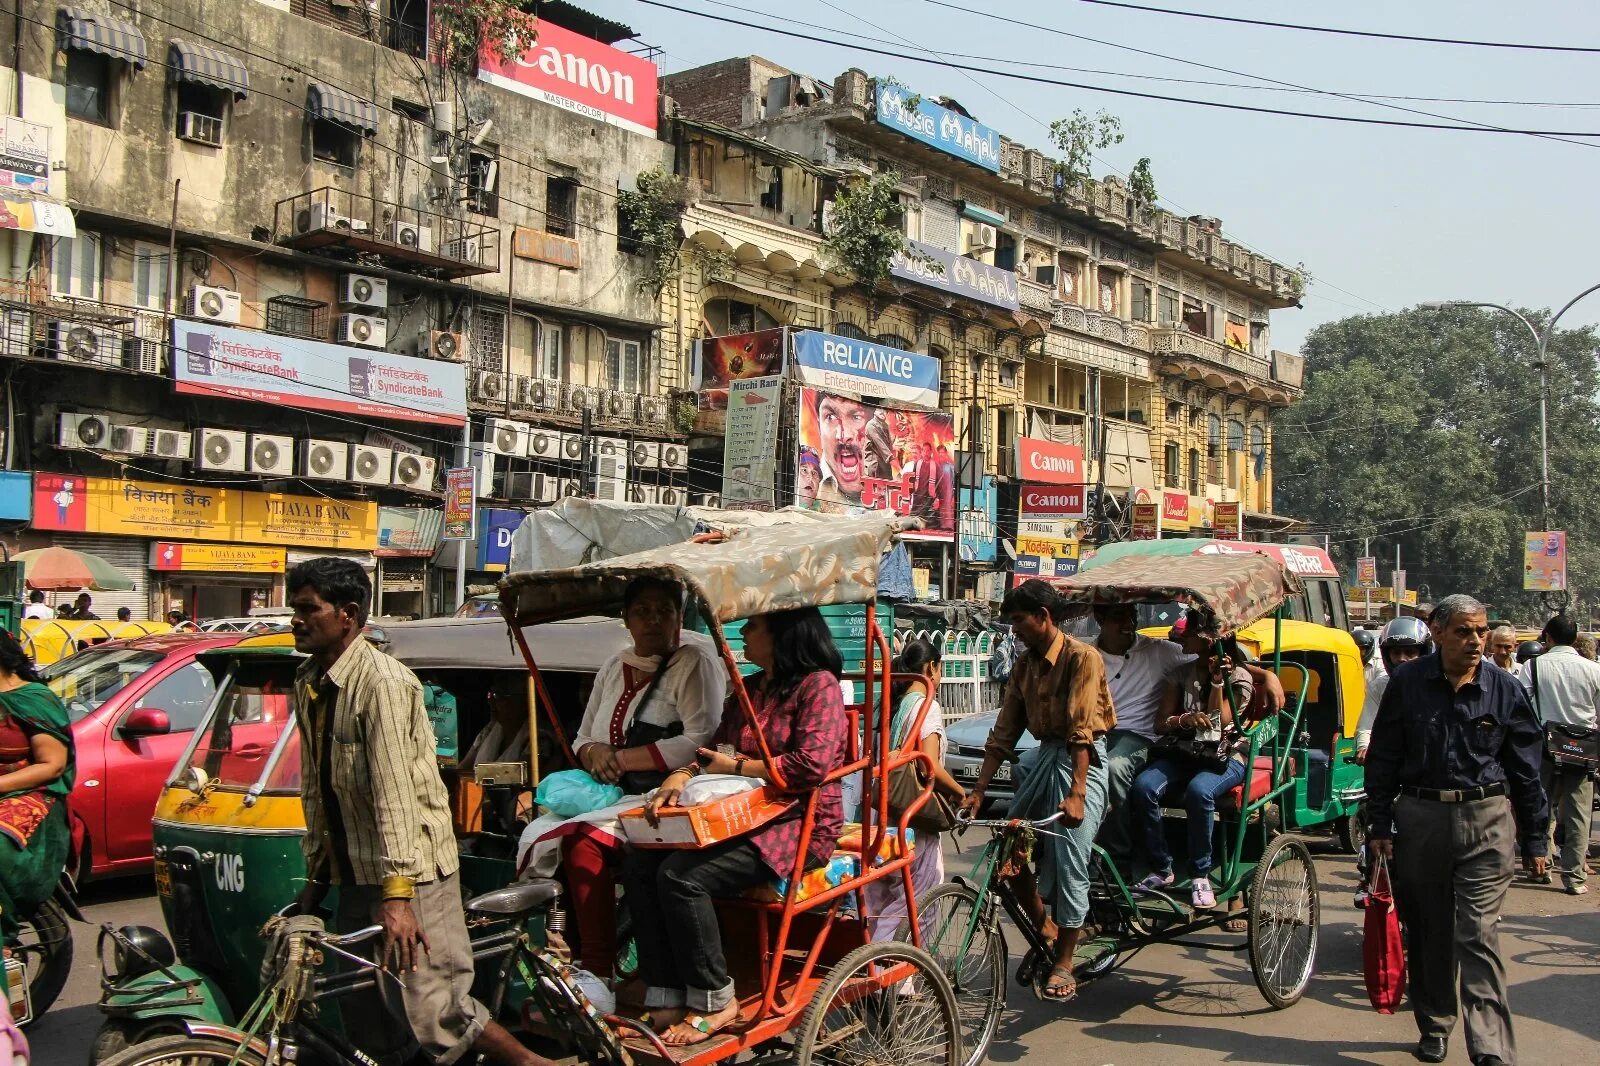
1003,772
163,878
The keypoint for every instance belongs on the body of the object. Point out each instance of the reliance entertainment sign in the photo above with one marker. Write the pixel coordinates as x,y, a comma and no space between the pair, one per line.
580,74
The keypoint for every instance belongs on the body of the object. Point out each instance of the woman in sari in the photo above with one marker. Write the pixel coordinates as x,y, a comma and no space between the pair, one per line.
36,771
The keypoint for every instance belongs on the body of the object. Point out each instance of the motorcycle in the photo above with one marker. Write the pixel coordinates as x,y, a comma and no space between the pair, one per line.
37,965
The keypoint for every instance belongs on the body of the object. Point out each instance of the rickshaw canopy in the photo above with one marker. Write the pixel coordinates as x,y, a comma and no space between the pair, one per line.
1235,590
581,645
752,571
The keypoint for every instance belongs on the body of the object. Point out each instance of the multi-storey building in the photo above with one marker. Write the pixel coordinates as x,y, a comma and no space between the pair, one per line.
286,262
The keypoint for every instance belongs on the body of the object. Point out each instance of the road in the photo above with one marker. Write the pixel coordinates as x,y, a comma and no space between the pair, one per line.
1168,1005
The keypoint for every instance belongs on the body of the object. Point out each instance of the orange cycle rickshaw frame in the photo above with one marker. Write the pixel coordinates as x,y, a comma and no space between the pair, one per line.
803,563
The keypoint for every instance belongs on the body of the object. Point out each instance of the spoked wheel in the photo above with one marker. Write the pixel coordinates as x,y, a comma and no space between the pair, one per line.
884,1004
973,957
1284,916
44,943
1352,832
185,1051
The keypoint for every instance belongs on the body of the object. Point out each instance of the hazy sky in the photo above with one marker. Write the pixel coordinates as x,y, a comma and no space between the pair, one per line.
1383,217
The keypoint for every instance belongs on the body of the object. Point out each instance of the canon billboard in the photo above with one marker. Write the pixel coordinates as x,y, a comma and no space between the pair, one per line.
1045,461
580,74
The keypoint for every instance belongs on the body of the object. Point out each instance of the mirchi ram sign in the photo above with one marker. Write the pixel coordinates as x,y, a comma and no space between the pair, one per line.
581,75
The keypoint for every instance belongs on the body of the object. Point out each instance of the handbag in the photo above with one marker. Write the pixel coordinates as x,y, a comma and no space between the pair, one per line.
905,785
1383,950
641,733
1567,745
1209,755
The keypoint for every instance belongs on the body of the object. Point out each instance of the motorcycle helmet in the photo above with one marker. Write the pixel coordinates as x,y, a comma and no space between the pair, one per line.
1403,633
1528,649
1367,641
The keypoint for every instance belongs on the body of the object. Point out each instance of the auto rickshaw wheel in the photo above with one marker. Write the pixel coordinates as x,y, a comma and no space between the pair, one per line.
974,960
1352,831
188,1050
1284,914
45,943
116,1036
859,1015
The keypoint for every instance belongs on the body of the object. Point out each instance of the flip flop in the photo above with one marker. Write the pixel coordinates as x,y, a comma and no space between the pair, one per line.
700,1024
1064,992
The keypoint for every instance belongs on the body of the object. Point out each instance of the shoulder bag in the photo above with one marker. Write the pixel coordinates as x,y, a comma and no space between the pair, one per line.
641,733
905,785
1566,745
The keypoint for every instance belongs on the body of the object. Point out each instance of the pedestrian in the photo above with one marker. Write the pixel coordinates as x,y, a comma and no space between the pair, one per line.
37,608
1455,745
176,617
124,614
1585,646
83,608
1566,692
1502,646
378,825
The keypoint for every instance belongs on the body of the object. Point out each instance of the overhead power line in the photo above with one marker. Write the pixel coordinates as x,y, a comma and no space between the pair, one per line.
1412,38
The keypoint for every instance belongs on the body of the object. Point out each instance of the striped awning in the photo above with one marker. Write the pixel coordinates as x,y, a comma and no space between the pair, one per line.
208,66
336,105
78,29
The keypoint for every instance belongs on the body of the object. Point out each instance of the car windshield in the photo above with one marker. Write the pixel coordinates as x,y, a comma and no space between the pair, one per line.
479,607
253,708
88,679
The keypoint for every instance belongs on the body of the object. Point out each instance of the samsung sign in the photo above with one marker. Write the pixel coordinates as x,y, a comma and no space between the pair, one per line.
864,368
939,127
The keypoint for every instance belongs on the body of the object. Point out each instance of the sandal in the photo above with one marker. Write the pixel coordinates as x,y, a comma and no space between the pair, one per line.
700,1025
1240,924
1061,986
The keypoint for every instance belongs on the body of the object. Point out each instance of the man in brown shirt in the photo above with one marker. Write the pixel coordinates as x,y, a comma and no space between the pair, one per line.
1058,692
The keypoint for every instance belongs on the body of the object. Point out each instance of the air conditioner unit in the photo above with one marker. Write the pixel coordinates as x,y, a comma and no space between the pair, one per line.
413,471
570,486
672,496
617,406
271,454
16,333
211,304
544,443
201,129
366,330
611,457
645,455
463,248
653,411
319,216
576,399
445,344
146,356
172,444
542,394
363,290
222,449
80,342
611,489
327,460
370,465
128,440
708,500
983,238
642,494
505,437
674,456
409,235
533,487
83,431
489,386
572,447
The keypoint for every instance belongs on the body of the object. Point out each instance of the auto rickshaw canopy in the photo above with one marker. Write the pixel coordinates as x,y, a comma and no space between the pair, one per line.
1234,590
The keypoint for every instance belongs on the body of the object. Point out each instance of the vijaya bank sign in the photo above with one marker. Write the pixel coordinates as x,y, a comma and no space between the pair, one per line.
582,75
1049,463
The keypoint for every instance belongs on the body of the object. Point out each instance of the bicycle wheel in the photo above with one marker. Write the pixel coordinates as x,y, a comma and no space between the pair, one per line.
185,1051
858,1017
1284,916
974,960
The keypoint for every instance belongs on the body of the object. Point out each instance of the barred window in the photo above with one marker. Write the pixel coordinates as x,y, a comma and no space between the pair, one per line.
488,343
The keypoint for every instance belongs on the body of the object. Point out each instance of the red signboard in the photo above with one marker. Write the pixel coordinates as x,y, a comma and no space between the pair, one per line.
1061,501
1301,559
580,74
1175,507
1049,463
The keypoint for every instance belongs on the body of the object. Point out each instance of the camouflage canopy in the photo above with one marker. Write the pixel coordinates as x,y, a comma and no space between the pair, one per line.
753,571
1234,589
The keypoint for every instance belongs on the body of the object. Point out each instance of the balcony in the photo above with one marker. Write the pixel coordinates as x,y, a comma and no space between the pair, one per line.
1102,326
404,238
1182,342
1036,297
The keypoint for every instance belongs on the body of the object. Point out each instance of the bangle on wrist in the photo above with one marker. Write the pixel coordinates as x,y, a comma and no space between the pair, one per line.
738,766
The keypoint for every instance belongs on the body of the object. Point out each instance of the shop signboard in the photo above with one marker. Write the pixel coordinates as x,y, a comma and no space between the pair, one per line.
24,155
1227,519
930,265
495,526
1174,510
72,503
582,75
460,503
1544,562
1367,572
749,447
1044,566
939,127
864,368
16,495
1047,547
408,531
978,518
1146,521
312,375
1055,501
169,556
1049,463
720,361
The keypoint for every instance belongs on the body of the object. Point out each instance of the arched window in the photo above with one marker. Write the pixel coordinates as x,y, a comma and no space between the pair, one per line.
728,317
1174,412
849,329
1235,435
896,340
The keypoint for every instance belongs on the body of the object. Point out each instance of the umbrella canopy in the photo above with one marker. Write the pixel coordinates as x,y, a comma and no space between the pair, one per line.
65,570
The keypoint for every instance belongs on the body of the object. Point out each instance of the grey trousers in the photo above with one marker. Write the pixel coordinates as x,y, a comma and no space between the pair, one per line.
1452,867
1571,796
1127,753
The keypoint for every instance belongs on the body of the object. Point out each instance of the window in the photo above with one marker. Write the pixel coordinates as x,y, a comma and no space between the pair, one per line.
488,340
1174,412
629,240
75,266
703,164
200,113
1141,302
561,206
770,180
1068,277
84,682
184,695
1235,435
1167,309
1236,333
895,340
850,330
1005,251
150,276
1110,284
1174,459
625,366
483,180
88,84
727,317
1196,319
1194,471
553,351
334,143
1213,436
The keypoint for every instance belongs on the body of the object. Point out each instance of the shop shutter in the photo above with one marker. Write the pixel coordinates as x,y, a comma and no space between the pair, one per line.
940,225
131,556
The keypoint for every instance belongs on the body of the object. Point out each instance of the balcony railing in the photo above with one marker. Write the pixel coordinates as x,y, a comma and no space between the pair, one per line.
1182,342
1102,326
406,237
1036,297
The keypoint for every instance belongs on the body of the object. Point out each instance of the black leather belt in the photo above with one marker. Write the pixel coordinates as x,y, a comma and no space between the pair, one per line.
1455,795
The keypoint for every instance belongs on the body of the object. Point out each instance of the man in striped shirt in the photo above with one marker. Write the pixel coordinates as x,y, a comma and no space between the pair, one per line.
378,825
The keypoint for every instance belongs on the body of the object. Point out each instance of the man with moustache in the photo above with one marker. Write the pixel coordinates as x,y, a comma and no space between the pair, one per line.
842,437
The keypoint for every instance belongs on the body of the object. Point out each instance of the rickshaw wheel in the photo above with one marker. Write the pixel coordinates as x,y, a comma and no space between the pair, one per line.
853,1021
1284,915
116,1036
45,941
1352,833
978,974
185,1051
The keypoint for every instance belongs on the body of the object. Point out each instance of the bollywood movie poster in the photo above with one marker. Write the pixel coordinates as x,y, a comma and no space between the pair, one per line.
855,456
724,360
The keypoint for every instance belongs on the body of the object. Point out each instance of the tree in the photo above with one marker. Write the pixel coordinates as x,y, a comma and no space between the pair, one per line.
1142,184
865,231
1078,138
463,26
650,218
1422,429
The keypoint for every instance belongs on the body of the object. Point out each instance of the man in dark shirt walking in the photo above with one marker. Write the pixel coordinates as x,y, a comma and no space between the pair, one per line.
1455,746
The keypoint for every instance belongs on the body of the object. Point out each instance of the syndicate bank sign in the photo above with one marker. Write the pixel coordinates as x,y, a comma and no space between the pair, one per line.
582,75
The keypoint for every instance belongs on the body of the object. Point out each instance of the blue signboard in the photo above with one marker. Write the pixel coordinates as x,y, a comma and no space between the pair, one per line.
495,526
959,275
978,513
944,129
16,495
1039,566
866,368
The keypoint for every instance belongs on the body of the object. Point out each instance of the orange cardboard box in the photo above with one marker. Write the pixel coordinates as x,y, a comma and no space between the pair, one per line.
709,823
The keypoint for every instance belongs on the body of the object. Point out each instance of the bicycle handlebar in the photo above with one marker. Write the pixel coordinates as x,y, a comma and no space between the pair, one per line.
350,940
964,821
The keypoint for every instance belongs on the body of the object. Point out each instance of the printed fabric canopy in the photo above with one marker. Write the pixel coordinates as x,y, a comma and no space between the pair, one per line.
1234,589
754,571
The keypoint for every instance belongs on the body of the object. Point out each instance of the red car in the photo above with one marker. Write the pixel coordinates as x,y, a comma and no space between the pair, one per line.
134,705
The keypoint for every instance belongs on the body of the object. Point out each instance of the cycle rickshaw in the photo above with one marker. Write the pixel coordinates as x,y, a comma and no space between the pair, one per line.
1270,876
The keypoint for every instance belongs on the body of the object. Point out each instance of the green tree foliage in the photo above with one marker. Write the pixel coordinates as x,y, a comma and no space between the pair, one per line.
865,231
1078,138
464,25
650,220
1422,428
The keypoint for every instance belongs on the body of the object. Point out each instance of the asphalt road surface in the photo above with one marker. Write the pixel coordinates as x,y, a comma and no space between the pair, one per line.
1169,1006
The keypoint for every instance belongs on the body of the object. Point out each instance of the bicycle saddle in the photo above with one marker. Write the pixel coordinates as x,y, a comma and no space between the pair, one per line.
516,898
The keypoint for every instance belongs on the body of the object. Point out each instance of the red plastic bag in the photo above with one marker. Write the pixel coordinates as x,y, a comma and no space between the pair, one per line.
1385,951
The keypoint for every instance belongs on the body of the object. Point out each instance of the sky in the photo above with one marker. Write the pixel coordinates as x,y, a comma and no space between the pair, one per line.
1382,217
